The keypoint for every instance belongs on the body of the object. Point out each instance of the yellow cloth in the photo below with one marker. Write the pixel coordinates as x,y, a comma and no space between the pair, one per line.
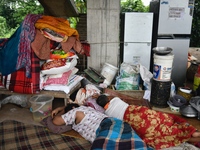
59,25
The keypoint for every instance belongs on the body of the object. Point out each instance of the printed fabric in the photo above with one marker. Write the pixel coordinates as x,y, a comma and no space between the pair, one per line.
157,129
27,36
89,124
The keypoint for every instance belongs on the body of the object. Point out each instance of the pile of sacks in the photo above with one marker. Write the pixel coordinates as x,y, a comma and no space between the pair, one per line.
59,72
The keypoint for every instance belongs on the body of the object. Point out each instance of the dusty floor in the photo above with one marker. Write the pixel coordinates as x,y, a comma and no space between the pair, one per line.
12,111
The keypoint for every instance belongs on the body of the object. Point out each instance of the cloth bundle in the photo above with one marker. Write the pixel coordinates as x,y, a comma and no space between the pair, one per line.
21,73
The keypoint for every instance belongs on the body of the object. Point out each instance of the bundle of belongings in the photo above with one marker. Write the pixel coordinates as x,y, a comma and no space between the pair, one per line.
42,52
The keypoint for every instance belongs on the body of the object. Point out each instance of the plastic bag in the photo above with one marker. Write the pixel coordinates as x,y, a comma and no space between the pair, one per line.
128,78
21,100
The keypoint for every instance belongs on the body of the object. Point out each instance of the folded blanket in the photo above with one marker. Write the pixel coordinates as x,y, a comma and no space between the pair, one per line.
18,82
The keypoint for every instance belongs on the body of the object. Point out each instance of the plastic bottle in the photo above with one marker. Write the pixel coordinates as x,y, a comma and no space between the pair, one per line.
196,79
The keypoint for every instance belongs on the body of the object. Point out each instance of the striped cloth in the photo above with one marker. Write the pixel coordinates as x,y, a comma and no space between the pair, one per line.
116,134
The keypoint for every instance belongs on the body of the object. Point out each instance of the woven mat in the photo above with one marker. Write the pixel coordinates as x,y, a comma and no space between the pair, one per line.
19,136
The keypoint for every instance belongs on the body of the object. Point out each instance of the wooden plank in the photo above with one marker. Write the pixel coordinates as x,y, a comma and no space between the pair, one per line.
57,94
132,98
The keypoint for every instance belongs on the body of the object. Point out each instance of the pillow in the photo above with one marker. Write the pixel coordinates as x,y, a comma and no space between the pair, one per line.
47,122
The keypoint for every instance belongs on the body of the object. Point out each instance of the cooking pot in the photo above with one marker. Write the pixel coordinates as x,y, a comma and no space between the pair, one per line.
178,100
188,111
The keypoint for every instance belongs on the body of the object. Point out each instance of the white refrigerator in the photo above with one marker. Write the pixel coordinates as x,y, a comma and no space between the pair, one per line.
173,26
136,35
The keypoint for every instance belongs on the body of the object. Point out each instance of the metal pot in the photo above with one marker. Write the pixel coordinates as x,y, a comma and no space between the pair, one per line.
162,50
188,111
178,100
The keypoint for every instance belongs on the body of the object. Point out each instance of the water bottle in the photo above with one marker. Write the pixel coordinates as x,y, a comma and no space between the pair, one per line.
196,79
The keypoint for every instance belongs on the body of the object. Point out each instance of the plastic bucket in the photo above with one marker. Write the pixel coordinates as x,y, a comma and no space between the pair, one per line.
163,67
41,106
108,71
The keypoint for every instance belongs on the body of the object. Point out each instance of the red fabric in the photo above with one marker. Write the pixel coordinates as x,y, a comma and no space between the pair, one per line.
197,144
18,82
157,129
3,41
86,48
54,44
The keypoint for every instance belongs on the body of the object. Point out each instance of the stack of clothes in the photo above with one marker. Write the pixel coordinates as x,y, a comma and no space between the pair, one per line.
34,41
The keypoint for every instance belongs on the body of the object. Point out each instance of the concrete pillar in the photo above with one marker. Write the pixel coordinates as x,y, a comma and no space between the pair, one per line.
103,18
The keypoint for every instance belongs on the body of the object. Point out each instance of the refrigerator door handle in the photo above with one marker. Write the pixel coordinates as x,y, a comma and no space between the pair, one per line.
166,36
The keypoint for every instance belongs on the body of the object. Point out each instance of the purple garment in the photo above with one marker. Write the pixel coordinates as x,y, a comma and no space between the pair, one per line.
26,37
92,103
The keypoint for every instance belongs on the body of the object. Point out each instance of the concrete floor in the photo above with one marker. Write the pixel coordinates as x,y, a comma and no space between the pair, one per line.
12,111
15,112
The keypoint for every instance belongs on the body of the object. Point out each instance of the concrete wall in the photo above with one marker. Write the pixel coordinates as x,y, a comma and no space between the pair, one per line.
103,18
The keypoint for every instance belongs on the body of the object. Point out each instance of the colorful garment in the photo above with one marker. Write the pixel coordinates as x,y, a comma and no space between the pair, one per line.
59,25
157,129
27,36
115,134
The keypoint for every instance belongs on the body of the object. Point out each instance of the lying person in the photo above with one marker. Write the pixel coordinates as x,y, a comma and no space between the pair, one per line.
157,129
102,131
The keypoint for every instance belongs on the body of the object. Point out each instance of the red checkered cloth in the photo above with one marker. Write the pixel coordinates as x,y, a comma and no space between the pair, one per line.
18,82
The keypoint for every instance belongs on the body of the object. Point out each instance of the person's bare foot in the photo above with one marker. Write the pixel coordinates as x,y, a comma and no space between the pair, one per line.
196,134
